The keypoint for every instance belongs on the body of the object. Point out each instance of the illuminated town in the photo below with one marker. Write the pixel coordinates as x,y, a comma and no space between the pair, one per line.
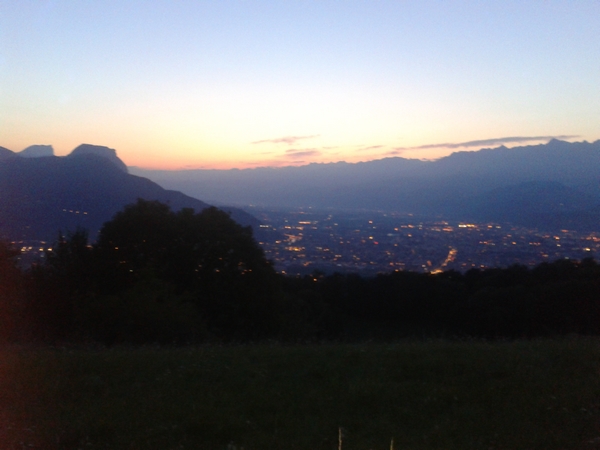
304,240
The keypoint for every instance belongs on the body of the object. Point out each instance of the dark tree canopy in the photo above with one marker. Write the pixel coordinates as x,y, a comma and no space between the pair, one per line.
159,276
10,284
188,249
8,260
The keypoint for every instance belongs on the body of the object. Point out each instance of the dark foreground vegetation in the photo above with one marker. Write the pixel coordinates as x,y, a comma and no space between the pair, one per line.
537,394
160,335
155,276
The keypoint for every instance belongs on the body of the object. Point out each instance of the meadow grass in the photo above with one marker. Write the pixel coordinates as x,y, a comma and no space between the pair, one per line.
425,395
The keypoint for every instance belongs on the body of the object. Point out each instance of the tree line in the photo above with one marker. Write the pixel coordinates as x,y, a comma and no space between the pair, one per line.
159,276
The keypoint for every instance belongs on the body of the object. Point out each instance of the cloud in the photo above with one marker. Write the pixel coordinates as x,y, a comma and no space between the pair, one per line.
277,163
372,147
289,157
301,152
486,142
395,152
289,140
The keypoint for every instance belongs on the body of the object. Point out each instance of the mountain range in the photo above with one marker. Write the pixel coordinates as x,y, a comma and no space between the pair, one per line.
551,186
42,194
548,186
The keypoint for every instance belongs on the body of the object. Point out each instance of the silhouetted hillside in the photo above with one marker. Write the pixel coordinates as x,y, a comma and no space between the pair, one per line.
39,196
6,153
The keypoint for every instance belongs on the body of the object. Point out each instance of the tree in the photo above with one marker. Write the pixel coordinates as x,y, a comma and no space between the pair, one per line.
59,286
70,260
8,263
11,301
188,249
205,253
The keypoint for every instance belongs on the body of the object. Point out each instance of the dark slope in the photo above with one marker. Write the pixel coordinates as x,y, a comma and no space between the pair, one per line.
39,196
6,153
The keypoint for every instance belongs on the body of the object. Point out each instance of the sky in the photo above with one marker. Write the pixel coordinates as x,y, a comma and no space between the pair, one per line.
241,83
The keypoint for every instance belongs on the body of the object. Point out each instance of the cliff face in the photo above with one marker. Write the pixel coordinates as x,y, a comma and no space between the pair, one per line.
105,152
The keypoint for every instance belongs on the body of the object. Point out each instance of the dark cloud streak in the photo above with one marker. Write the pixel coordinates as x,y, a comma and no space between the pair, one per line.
394,152
372,147
289,140
486,142
302,152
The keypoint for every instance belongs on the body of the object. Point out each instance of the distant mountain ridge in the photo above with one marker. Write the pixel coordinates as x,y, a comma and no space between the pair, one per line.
37,151
41,195
479,185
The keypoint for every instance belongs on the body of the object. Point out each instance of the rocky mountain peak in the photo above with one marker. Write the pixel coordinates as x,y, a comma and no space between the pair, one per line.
99,150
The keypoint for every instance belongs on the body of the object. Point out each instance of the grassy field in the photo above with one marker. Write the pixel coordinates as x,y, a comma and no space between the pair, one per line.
424,395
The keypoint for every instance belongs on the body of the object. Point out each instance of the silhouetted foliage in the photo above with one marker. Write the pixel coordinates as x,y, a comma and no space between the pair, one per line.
184,248
58,286
158,276
206,254
155,275
11,292
556,298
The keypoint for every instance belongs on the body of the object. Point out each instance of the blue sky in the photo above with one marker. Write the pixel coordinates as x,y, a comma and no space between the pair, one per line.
267,83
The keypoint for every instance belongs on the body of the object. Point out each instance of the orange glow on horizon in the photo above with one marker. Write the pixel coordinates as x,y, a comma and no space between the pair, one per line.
157,155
